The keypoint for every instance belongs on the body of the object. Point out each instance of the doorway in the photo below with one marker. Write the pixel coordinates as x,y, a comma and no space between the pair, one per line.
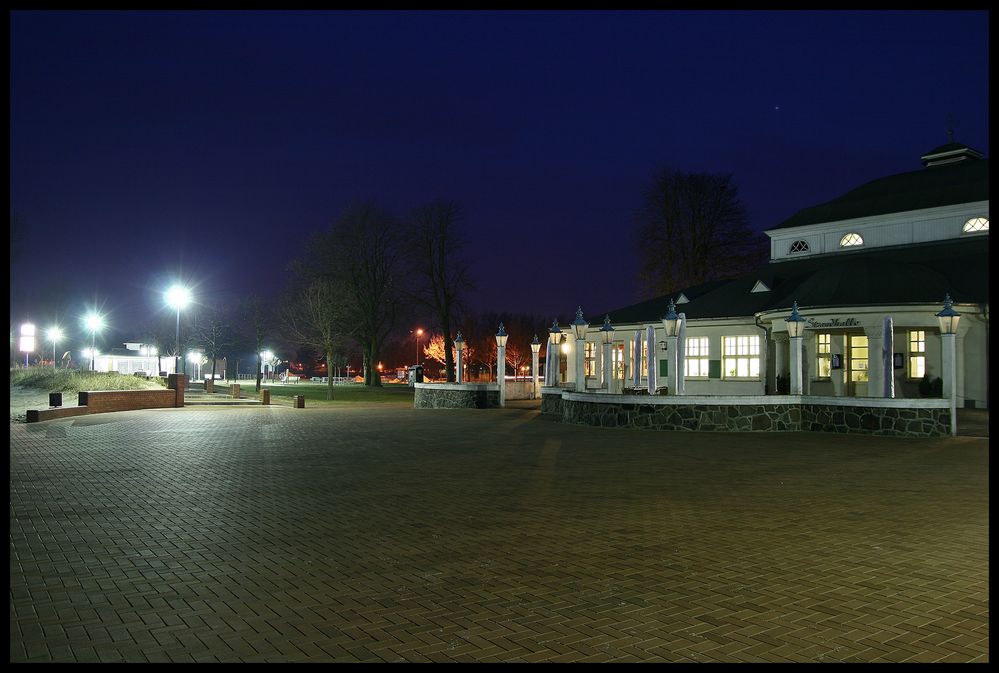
856,365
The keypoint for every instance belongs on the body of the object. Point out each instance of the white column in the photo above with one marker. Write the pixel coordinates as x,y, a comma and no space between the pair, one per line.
949,356
580,375
673,363
535,392
795,363
501,373
875,367
779,341
458,378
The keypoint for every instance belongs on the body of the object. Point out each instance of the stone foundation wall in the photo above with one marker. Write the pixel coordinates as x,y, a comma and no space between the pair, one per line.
474,396
876,421
777,417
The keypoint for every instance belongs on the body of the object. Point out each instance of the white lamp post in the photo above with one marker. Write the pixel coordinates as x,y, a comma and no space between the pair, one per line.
535,349
417,334
796,330
948,319
671,325
177,297
501,338
94,323
579,326
459,346
607,332
552,355
53,334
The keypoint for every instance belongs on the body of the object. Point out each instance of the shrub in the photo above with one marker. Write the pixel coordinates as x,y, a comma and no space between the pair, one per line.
73,381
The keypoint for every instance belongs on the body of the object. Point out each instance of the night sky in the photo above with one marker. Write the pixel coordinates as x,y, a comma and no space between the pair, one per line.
206,146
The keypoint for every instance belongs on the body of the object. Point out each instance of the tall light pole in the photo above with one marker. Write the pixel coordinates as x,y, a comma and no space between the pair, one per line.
501,337
459,346
53,334
418,333
949,319
535,349
177,297
94,324
579,326
671,326
795,330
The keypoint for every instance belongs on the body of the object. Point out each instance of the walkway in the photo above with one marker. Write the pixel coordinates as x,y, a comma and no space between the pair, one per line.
392,534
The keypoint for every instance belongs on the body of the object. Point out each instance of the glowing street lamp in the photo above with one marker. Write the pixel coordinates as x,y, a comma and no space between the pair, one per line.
94,324
177,297
418,333
459,347
53,334
795,330
579,326
551,355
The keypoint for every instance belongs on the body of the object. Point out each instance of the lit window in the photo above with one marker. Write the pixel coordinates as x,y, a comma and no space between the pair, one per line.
917,354
589,359
850,240
645,358
858,359
741,357
976,224
695,361
617,356
799,246
823,360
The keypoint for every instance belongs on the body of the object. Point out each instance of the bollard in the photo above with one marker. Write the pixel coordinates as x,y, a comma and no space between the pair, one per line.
209,386
299,401
265,396
235,390
55,399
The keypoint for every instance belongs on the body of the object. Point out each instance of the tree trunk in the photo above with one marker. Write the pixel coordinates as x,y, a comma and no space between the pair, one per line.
259,371
213,367
448,354
329,378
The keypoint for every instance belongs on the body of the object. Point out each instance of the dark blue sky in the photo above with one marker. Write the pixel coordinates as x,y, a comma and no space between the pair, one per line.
147,145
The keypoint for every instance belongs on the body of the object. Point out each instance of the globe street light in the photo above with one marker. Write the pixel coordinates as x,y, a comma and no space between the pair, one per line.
94,323
53,334
177,297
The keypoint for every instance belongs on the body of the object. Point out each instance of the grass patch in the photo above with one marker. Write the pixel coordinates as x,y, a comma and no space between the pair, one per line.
347,394
73,381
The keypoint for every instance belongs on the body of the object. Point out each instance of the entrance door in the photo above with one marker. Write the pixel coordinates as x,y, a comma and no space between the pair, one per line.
856,365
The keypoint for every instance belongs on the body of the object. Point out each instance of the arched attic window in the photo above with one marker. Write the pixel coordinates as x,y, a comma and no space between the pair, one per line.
976,224
798,246
851,240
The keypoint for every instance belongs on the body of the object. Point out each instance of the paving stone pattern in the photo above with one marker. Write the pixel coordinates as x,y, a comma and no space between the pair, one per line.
382,534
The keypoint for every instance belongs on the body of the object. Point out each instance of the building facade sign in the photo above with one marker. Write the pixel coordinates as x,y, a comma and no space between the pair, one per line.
832,322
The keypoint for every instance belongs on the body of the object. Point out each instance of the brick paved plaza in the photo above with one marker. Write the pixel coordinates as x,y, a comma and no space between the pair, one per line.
393,534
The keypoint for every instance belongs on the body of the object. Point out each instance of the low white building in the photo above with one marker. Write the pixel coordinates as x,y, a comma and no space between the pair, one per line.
895,246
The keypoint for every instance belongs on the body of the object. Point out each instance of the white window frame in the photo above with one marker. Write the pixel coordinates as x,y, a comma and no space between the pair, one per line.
695,357
742,351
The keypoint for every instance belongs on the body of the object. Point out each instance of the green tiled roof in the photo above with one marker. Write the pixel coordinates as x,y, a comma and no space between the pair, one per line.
929,187
921,273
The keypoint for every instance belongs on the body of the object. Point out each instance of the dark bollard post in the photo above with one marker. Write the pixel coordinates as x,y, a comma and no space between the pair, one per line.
55,399
265,396
299,401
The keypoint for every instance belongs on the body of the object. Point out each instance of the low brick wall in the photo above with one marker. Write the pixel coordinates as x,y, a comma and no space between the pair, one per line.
899,418
102,401
456,396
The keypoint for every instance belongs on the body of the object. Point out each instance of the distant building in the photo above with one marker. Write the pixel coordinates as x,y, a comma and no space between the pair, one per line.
894,246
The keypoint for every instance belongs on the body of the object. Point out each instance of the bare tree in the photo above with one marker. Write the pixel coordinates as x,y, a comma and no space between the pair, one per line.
436,246
366,247
215,332
315,317
692,229
255,325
